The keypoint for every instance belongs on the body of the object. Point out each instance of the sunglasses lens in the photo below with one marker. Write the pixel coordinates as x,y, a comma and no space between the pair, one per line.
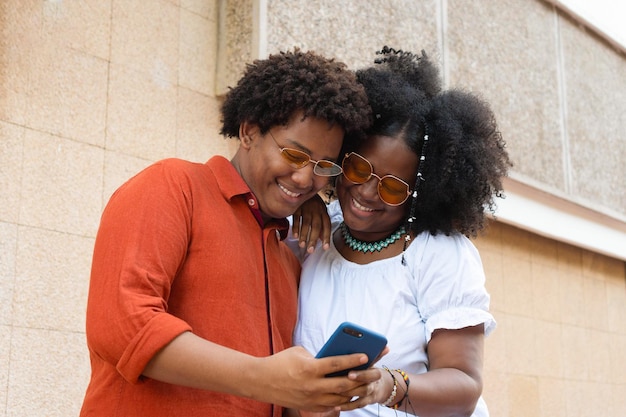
393,191
326,168
295,158
356,168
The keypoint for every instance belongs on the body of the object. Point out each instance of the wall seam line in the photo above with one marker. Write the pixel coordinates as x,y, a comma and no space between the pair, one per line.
562,91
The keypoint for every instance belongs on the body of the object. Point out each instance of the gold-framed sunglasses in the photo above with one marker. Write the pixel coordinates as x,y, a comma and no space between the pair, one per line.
392,190
298,159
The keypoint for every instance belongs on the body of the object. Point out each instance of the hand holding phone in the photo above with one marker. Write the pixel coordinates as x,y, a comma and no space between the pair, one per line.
351,338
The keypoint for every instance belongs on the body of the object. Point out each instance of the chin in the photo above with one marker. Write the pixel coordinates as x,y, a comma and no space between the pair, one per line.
282,212
355,223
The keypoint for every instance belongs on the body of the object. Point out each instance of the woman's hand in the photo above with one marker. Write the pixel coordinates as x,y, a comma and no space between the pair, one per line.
310,223
376,387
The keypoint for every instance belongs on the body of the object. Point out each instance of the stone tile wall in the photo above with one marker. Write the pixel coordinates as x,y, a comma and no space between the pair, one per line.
93,91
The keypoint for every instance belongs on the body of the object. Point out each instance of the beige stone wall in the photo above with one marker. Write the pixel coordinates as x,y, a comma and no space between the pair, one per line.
559,91
92,91
558,350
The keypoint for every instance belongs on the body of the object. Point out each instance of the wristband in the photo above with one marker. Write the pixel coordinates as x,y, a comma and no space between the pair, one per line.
394,391
407,381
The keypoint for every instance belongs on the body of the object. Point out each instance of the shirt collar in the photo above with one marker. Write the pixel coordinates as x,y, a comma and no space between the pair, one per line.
231,185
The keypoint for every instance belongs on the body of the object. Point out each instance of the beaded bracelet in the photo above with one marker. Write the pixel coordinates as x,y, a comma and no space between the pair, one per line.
394,391
407,381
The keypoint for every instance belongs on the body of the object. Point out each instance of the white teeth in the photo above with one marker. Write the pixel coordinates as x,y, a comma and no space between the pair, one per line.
289,193
360,207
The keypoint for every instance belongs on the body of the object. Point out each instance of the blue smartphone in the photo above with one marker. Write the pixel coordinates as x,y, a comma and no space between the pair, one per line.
351,338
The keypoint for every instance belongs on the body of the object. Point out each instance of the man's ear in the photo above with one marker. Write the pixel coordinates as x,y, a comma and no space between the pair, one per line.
247,132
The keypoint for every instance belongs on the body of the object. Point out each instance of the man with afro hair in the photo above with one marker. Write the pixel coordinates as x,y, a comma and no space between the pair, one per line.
192,298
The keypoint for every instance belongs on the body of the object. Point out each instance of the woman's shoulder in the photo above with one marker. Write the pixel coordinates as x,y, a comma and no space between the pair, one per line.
442,241
440,249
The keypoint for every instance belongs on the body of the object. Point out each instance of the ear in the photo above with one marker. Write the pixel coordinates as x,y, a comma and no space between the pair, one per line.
247,132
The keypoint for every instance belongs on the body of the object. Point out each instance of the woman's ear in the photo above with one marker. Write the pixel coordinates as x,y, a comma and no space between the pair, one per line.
247,132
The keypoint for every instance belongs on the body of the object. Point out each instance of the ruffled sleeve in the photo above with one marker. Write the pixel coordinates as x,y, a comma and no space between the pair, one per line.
450,285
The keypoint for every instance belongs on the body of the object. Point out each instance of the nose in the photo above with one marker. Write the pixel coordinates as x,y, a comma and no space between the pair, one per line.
369,189
304,177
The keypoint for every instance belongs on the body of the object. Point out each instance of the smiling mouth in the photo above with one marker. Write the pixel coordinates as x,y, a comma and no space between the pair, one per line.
289,193
360,207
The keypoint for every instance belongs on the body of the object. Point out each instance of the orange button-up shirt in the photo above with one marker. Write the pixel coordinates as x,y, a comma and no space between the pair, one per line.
181,247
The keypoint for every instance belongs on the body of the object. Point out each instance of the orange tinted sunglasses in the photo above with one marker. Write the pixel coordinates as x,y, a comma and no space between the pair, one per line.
391,189
299,159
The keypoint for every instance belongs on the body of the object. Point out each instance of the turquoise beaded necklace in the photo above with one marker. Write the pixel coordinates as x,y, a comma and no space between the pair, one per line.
365,247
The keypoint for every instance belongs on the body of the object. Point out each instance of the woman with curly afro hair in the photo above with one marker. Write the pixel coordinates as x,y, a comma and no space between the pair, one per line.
400,261
193,294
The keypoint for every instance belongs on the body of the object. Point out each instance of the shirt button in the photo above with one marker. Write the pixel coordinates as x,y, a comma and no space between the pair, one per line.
251,202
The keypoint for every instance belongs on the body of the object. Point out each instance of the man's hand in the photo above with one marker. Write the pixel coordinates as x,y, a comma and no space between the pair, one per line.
293,378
